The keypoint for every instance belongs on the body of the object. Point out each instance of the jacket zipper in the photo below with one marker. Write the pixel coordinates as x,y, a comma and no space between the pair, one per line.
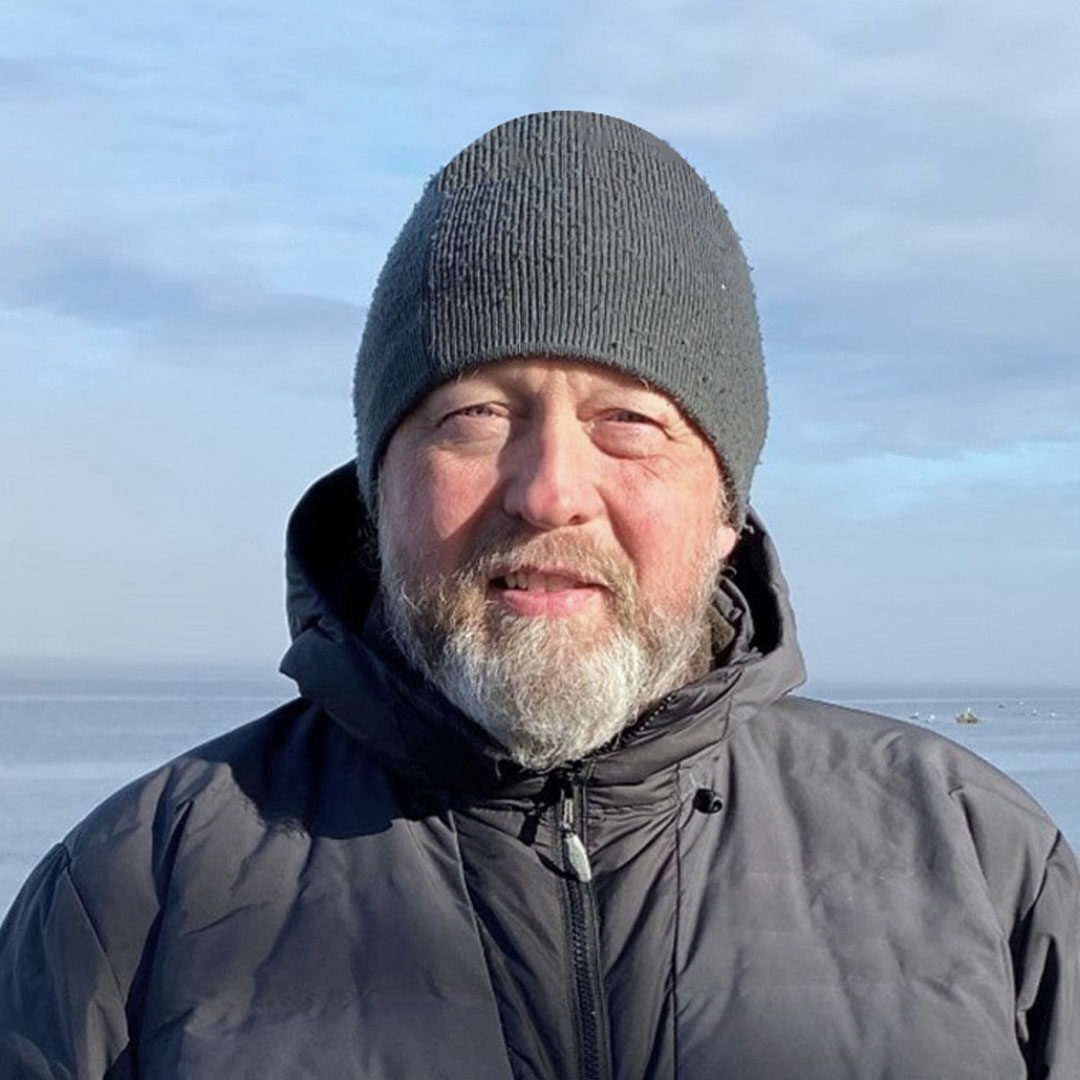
594,1051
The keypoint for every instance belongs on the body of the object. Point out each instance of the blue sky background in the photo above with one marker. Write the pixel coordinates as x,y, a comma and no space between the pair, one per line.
196,200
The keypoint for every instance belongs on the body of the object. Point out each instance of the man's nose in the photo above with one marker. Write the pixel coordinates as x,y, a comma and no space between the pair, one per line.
549,475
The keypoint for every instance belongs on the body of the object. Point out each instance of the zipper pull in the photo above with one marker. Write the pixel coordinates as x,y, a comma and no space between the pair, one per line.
576,855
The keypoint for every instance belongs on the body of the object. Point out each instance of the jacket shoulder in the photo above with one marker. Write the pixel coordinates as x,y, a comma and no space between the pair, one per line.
951,792
901,747
226,827
114,868
208,775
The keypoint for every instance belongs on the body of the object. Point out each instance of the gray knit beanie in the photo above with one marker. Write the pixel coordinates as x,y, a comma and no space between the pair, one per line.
577,235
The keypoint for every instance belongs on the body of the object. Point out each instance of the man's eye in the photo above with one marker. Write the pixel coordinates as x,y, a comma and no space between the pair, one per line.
628,416
480,412
479,423
627,433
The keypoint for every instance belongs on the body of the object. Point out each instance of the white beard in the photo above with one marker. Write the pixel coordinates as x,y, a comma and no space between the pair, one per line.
545,688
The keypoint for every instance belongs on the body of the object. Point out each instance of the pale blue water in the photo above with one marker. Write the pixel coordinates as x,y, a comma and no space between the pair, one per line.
65,744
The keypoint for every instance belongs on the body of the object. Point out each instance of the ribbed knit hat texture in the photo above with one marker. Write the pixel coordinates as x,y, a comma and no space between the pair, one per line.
577,235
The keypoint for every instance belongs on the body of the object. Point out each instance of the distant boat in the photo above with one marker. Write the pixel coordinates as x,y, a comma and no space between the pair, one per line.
967,716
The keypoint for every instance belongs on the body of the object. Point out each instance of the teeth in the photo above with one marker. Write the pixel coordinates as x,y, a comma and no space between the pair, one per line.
538,582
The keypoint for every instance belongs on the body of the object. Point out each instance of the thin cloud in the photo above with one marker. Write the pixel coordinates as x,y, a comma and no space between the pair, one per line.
153,317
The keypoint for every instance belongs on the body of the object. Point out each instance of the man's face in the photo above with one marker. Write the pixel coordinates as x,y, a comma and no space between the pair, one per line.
551,530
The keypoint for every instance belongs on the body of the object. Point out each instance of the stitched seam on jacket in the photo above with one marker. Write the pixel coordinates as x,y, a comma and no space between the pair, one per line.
70,878
467,893
1050,856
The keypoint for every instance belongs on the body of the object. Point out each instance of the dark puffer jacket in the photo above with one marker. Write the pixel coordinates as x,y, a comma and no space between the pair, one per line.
358,885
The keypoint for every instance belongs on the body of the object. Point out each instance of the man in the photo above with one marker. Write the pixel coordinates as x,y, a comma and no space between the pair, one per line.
545,807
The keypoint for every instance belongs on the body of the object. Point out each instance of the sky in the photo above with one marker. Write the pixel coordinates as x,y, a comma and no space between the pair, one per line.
196,200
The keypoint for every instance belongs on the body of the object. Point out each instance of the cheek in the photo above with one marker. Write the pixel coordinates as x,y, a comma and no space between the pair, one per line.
671,534
436,502
455,492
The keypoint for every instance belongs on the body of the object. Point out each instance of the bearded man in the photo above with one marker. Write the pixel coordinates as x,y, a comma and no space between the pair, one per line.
545,807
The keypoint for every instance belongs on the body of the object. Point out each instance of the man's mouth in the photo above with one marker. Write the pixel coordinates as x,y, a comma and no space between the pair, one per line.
528,580
550,591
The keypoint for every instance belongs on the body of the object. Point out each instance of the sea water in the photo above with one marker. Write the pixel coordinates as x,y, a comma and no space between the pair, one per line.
68,742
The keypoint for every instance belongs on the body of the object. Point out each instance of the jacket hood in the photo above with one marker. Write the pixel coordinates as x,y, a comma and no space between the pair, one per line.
363,683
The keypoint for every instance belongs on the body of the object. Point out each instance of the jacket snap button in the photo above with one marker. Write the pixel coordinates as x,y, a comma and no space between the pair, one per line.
707,801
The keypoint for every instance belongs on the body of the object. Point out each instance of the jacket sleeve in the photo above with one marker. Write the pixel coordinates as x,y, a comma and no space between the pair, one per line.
62,1015
1046,961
